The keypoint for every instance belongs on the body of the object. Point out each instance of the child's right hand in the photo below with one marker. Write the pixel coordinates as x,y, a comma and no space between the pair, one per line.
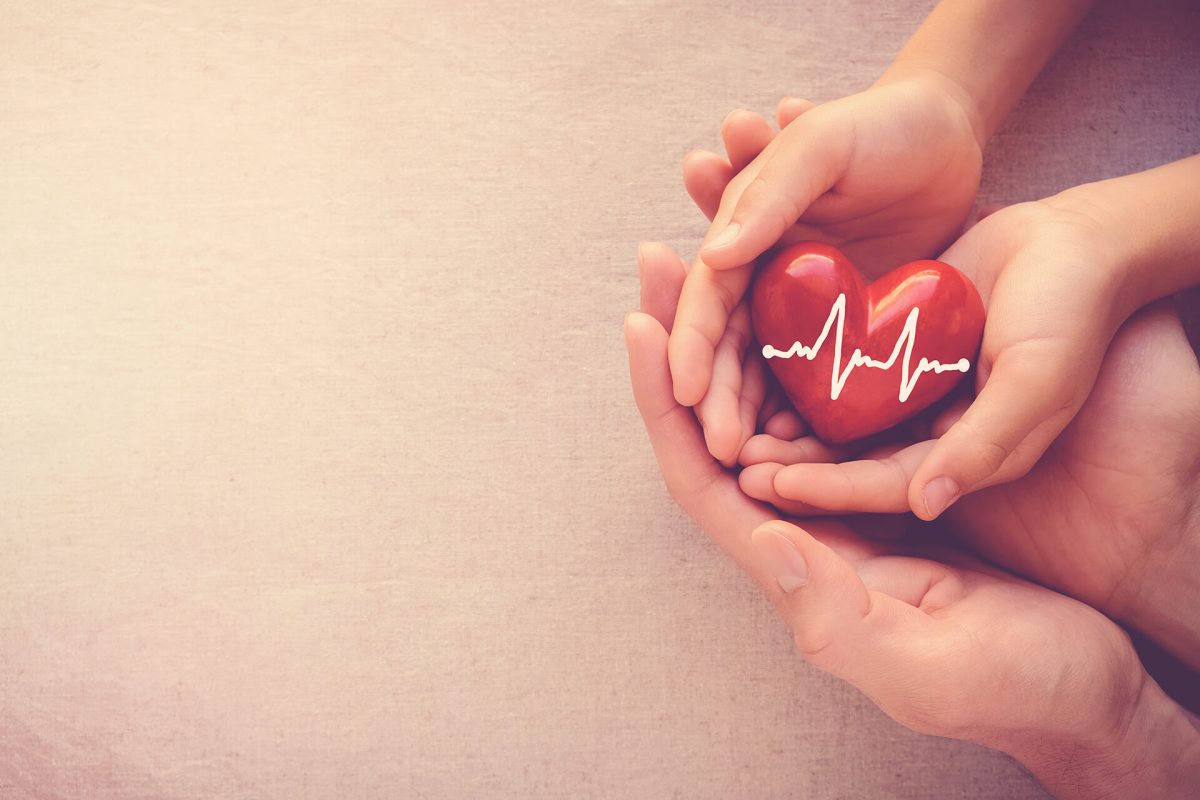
887,175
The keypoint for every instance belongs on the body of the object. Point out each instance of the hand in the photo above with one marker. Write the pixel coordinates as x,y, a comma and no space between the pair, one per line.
888,175
948,646
1049,275
758,402
1106,515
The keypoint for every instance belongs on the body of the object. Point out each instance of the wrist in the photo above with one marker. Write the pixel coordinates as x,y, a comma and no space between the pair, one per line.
990,49
1147,221
942,85
1085,211
1150,749
1165,604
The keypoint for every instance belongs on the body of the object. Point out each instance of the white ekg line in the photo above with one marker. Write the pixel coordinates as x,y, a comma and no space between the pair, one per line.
905,341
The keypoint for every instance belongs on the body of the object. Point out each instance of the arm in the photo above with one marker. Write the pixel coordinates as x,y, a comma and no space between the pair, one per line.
1165,604
983,54
1157,215
903,158
1155,754
989,51
954,648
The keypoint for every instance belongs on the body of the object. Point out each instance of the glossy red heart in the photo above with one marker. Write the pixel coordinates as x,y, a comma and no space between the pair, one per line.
924,318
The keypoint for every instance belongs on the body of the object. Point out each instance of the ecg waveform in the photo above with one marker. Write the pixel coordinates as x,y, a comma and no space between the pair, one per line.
905,342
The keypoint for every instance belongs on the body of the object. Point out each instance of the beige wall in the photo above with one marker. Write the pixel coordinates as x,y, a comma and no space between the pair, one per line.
319,476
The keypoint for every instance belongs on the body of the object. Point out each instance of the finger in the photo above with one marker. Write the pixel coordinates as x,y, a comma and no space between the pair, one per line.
772,405
709,494
786,424
878,485
862,636
1030,395
720,408
705,176
757,481
789,108
662,273
948,416
804,450
754,391
745,135
705,305
768,197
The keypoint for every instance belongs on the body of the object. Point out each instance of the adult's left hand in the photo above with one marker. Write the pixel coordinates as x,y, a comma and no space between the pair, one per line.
945,645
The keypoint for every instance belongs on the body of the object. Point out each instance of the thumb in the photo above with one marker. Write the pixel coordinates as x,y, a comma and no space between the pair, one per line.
890,650
771,194
1032,392
838,624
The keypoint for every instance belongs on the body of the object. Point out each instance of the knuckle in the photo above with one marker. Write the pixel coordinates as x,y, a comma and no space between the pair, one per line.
763,197
991,454
689,494
815,645
979,452
896,472
725,296
737,339
702,334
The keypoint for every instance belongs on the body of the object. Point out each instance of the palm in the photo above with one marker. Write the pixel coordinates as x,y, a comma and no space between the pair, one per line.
948,629
1112,487
1114,484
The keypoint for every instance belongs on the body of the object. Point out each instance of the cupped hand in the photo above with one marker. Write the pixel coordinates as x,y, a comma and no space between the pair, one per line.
1110,500
745,398
1097,515
888,175
1051,279
943,644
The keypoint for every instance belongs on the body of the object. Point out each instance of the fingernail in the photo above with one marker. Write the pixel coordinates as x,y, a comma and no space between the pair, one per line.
784,561
939,494
641,253
725,237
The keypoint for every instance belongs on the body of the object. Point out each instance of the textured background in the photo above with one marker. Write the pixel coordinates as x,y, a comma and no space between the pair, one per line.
319,475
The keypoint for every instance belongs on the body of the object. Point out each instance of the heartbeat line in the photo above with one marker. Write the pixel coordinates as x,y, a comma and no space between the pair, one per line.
904,343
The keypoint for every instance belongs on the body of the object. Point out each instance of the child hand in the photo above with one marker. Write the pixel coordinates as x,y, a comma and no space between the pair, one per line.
1104,516
888,175
746,399
1052,287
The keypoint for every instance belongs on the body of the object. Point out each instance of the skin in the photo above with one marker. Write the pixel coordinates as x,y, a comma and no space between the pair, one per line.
889,175
1107,514
880,215
942,643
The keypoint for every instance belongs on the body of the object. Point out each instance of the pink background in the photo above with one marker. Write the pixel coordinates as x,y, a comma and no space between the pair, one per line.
319,474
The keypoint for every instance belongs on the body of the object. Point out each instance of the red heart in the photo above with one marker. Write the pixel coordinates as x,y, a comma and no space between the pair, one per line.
796,298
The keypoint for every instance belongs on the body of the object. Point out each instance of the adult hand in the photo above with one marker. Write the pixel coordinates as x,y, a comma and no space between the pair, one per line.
945,646
1107,515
